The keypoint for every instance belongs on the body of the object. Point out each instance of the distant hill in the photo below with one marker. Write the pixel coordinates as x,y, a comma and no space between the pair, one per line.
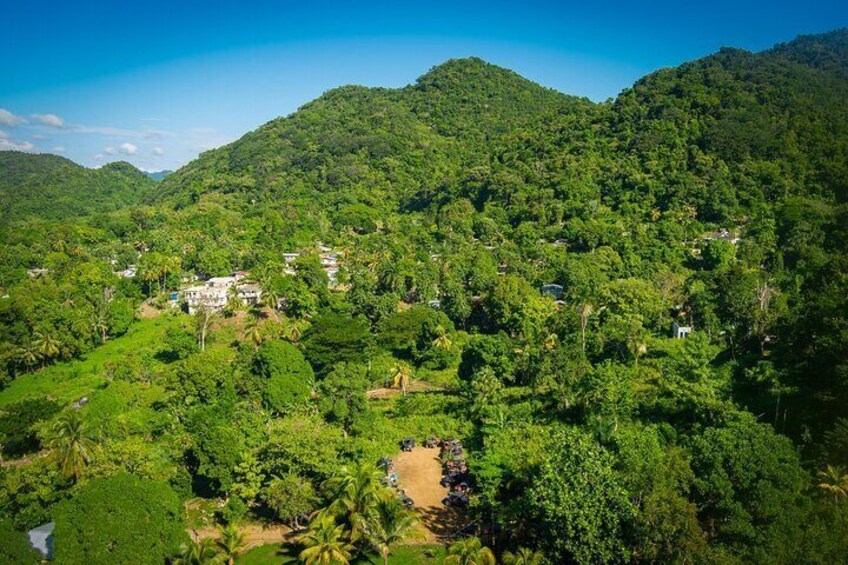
700,134
52,187
159,175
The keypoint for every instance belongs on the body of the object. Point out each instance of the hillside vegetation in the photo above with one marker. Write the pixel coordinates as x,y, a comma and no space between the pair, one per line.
710,198
53,188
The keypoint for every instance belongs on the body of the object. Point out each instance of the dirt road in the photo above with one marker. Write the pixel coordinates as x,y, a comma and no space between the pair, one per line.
419,473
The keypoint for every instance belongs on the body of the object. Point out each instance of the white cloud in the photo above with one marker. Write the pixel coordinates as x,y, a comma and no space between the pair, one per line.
9,144
110,151
98,157
40,137
158,151
145,133
129,149
12,145
51,120
7,118
58,149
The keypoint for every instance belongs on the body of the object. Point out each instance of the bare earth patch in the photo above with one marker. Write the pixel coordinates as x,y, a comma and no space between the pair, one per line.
419,472
255,534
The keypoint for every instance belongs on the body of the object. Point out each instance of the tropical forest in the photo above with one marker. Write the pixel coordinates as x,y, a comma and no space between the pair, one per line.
468,321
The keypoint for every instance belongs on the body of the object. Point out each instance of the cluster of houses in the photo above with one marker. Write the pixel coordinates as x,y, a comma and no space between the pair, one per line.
215,293
329,263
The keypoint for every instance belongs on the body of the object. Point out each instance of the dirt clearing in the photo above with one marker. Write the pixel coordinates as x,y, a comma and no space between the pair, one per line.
419,472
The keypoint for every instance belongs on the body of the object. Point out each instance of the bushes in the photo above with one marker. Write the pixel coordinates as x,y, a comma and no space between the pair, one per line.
122,519
287,377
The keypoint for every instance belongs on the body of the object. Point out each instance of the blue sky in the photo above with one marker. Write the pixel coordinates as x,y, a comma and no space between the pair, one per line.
155,83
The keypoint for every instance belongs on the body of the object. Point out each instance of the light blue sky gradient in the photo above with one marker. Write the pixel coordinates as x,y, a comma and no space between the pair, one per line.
156,83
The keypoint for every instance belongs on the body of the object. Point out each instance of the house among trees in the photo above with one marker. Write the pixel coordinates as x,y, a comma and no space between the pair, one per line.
722,234
679,331
215,293
329,263
249,293
128,273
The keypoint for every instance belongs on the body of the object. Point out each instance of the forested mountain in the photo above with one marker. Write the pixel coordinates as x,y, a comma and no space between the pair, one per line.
710,199
34,186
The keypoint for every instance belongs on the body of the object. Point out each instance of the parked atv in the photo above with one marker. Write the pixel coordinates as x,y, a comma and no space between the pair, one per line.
407,444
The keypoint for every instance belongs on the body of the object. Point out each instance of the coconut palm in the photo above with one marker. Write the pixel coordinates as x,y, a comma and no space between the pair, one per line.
72,448
353,492
469,551
254,333
234,301
48,346
523,556
27,355
401,376
271,299
201,552
834,480
231,543
325,543
293,329
387,523
585,311
443,340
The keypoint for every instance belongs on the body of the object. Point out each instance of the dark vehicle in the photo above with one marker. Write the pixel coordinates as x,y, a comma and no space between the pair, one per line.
455,478
385,464
408,502
407,444
456,499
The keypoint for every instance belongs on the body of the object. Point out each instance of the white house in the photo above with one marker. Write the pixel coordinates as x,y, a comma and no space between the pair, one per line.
679,331
128,273
249,293
213,294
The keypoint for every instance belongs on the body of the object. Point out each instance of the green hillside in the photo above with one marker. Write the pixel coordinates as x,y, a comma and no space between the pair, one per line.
41,186
632,313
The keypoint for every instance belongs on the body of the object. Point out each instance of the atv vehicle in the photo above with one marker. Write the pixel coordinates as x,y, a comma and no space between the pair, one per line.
456,499
407,444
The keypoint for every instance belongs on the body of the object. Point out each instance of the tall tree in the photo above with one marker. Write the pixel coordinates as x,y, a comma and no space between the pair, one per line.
71,446
325,543
469,551
388,523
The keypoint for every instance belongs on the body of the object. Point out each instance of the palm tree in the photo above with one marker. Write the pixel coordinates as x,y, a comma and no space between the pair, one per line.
271,299
325,543
401,375
201,552
443,340
231,543
27,355
834,480
354,491
523,556
72,448
48,346
254,333
293,329
584,310
234,301
387,524
469,551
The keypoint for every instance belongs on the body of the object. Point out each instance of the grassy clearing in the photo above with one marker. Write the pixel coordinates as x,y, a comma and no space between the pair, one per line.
66,382
403,555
